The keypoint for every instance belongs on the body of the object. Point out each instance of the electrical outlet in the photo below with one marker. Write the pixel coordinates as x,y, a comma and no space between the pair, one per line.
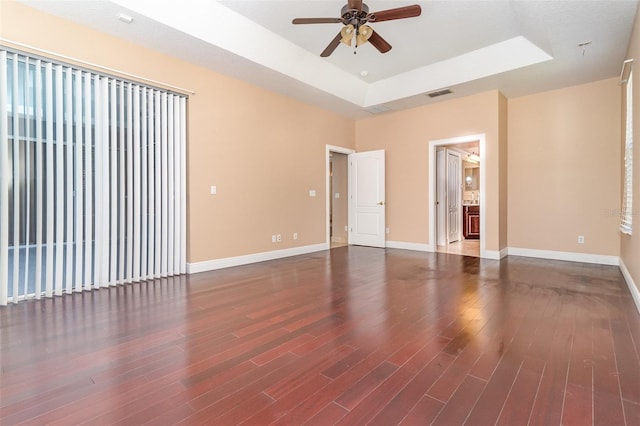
387,230
278,238
295,235
273,238
580,239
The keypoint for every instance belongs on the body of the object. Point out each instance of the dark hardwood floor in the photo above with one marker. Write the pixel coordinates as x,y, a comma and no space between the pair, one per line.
354,335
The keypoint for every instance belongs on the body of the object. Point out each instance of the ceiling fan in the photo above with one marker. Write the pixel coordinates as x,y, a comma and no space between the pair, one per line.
355,16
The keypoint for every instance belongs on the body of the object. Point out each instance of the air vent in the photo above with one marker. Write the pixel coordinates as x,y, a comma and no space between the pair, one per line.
439,93
377,109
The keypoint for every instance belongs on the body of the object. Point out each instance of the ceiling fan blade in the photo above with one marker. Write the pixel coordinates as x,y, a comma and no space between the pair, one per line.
354,4
398,13
379,43
317,21
332,46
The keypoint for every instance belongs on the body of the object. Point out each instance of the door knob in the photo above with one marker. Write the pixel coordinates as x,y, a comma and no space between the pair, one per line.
381,203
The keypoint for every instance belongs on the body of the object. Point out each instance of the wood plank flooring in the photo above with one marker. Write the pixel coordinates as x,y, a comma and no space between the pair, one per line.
353,335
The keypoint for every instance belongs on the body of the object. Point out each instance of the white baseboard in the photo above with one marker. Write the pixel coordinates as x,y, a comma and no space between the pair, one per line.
564,255
228,262
408,246
210,265
633,288
494,254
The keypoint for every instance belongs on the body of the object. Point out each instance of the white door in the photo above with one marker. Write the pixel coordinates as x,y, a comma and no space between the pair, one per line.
453,194
367,199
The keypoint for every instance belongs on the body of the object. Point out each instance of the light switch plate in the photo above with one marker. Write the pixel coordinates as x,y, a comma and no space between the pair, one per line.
214,190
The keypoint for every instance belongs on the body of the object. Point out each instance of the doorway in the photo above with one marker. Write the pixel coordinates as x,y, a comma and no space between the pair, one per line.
448,196
456,183
336,196
364,196
338,201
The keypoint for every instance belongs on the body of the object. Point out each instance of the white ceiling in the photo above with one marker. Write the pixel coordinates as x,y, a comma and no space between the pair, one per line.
517,47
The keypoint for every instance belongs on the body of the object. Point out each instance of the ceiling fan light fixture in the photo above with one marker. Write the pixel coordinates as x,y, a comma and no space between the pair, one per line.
355,16
364,32
347,34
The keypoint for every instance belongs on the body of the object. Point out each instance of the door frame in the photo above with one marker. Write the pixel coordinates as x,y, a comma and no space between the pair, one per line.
481,138
328,150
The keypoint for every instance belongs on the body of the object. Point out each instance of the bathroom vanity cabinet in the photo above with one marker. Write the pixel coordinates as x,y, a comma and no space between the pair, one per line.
471,218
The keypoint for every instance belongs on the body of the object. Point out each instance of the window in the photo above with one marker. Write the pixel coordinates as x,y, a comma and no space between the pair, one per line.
92,179
627,185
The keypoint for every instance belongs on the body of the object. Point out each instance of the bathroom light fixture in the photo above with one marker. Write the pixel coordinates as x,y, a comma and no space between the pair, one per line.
473,158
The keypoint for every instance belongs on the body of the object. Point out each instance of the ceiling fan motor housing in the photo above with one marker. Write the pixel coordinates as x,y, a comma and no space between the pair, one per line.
355,17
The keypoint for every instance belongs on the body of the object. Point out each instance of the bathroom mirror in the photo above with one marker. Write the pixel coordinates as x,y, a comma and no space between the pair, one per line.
472,178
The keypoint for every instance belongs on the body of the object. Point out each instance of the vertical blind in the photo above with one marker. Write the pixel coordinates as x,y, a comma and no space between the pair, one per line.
627,184
92,180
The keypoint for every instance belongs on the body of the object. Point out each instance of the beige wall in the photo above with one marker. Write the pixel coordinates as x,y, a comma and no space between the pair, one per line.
564,169
630,245
405,137
339,205
264,152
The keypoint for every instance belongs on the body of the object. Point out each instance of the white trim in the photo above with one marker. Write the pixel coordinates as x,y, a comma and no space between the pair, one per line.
494,254
633,288
210,265
481,138
328,150
564,255
409,246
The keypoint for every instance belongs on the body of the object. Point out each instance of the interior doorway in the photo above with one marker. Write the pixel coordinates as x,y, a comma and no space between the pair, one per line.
338,201
456,185
337,184
365,204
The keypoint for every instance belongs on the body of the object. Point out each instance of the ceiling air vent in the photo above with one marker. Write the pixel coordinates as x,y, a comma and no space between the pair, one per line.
439,93
377,109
